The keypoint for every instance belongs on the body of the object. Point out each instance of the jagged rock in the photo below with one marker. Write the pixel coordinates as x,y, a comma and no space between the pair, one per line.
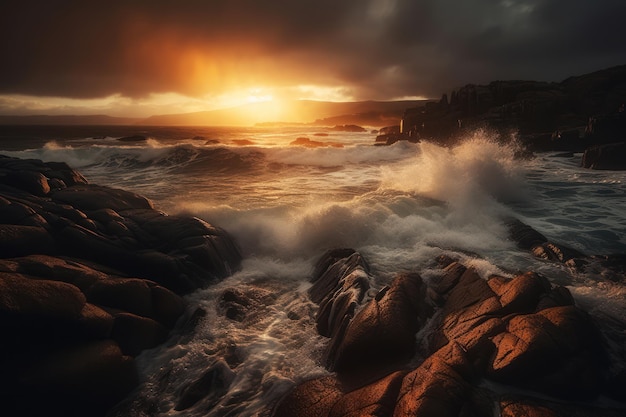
433,389
88,275
384,328
608,157
238,303
557,351
520,331
377,399
209,388
338,289
313,398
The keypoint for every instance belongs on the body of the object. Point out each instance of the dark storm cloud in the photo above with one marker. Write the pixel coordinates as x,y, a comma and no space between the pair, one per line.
377,48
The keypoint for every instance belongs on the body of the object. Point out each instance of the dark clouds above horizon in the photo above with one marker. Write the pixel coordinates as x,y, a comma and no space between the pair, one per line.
374,49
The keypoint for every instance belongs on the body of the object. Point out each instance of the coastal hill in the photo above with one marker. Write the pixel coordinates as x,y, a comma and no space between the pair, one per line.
321,113
369,113
67,120
567,115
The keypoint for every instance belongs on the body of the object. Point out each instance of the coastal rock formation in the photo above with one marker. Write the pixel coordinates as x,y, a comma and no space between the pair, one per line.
610,156
427,346
611,267
89,277
572,115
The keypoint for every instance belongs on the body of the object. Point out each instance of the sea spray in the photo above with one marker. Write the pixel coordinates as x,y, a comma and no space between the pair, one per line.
401,206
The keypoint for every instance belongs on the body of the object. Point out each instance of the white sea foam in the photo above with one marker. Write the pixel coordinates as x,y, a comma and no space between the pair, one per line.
401,206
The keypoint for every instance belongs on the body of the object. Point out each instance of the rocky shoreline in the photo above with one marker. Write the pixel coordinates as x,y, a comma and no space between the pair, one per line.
459,345
580,114
90,276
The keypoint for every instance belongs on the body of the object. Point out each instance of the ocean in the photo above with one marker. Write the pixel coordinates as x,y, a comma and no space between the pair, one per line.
401,206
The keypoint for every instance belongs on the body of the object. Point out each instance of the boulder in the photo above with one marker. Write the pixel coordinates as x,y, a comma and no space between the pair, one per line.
605,157
84,380
557,351
87,197
135,333
338,289
313,398
17,240
433,389
376,399
384,329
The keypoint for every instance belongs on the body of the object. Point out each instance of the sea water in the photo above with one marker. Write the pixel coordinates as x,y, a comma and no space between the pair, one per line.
401,206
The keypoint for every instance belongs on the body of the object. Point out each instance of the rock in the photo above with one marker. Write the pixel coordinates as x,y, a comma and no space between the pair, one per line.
89,197
376,399
606,157
557,351
167,307
33,182
239,303
525,236
135,333
433,389
128,294
133,138
84,380
521,332
209,388
313,398
534,407
95,322
17,240
349,128
383,329
521,294
308,143
338,290
81,269
21,297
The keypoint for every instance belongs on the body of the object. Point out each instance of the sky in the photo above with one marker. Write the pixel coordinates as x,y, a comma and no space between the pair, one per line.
142,57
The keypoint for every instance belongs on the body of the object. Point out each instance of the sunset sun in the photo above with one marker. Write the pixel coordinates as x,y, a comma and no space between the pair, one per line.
312,208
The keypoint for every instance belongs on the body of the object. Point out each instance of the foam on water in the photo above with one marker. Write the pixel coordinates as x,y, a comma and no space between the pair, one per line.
401,206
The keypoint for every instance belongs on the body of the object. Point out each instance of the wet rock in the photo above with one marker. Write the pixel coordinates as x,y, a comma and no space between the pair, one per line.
88,197
134,333
376,399
209,388
605,157
31,181
338,290
433,389
557,351
534,407
133,138
521,294
83,380
17,240
132,295
521,332
244,302
22,297
313,398
384,328
93,272
95,322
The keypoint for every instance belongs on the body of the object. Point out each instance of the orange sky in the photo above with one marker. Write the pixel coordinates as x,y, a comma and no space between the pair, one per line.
143,57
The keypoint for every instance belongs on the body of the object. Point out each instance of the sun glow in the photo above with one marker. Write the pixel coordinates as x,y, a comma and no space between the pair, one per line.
257,95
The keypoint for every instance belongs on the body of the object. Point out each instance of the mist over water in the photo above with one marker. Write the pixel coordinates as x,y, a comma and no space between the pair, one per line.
401,206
